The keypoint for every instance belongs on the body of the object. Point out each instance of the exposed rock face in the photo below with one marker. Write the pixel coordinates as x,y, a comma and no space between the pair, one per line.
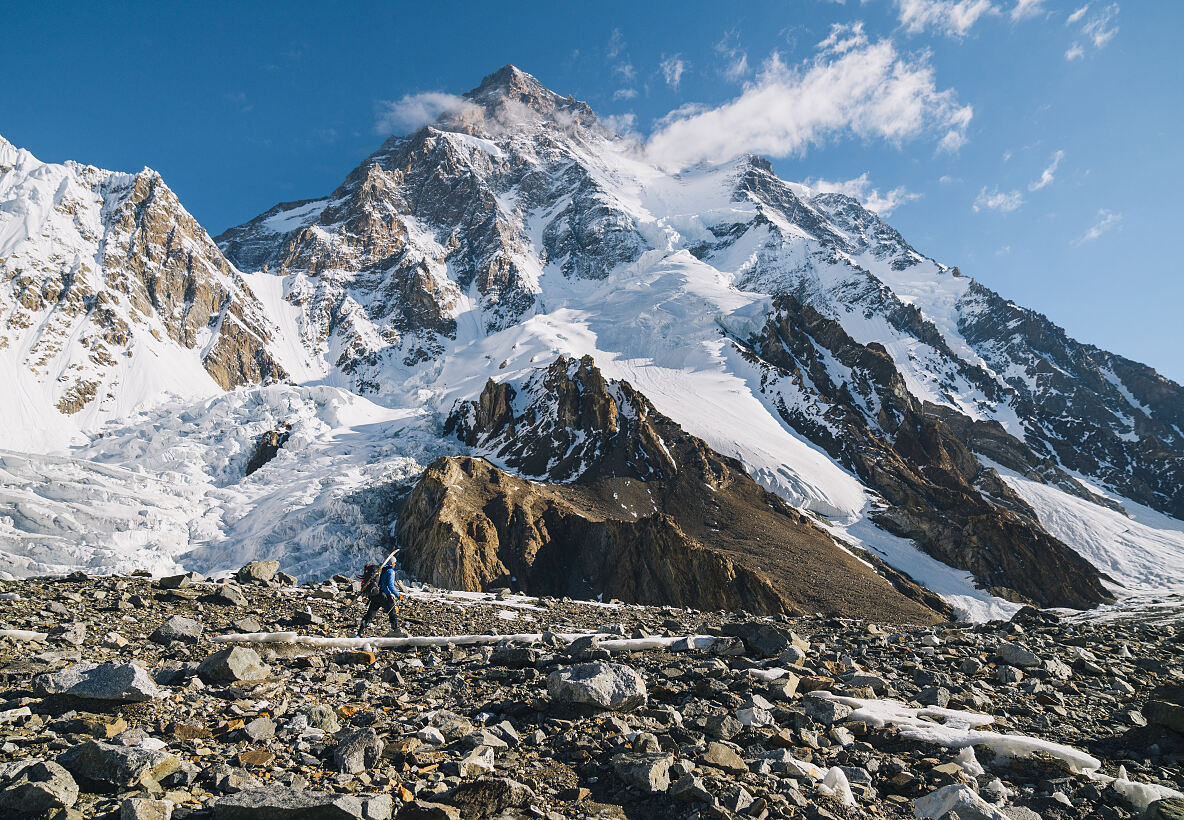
104,275
645,513
939,494
384,264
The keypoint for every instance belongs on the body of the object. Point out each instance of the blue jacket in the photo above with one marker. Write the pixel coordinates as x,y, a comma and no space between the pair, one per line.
386,582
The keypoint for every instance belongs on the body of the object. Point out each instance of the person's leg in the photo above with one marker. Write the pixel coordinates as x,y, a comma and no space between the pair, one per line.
393,611
371,611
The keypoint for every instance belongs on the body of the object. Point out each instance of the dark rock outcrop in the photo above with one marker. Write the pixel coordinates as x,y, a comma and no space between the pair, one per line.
635,509
938,492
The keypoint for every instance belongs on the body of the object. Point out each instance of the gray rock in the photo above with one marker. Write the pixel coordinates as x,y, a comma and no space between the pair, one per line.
141,808
649,773
258,572
765,639
689,788
114,682
611,686
1162,713
322,717
724,727
477,762
357,751
1016,655
1057,669
121,767
1171,808
179,629
826,711
487,796
72,633
35,787
230,596
284,579
937,696
874,682
277,803
427,810
377,807
234,664
261,728
723,757
176,581
1009,674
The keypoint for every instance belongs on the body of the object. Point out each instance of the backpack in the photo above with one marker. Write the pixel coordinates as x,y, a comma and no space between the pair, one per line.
370,577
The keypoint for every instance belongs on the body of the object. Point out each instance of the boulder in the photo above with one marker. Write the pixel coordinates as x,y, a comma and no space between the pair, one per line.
611,686
278,803
649,773
721,756
179,629
426,810
142,808
765,639
1171,808
71,633
1015,655
118,767
35,787
487,796
357,751
113,682
229,596
257,572
234,664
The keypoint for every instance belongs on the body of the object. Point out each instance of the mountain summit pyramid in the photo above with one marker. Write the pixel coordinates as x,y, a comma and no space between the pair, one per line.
914,415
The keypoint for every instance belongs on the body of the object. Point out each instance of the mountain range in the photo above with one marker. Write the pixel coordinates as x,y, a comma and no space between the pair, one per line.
516,347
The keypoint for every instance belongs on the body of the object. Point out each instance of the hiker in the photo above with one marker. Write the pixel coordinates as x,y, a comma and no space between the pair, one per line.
378,585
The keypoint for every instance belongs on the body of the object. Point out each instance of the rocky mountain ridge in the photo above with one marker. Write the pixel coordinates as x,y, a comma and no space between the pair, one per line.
112,295
913,413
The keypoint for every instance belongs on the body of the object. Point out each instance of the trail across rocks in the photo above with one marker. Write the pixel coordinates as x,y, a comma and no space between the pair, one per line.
142,698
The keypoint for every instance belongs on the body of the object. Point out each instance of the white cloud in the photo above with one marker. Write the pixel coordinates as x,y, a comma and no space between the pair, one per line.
1100,28
1046,176
737,67
673,69
415,110
852,87
1107,220
1006,249
624,93
1097,29
946,179
1026,8
861,189
954,18
616,44
623,124
996,200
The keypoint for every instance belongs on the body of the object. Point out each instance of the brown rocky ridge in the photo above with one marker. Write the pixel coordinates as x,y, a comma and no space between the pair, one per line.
600,494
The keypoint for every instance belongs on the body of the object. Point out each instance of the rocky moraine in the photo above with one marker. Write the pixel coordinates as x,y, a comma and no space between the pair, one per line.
181,697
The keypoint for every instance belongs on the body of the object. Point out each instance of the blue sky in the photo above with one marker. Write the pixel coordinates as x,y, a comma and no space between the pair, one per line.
1034,144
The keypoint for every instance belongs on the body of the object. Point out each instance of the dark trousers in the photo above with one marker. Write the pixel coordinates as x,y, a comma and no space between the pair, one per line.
381,602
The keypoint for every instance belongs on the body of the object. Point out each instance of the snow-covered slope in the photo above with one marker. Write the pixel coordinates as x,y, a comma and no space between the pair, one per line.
519,228
112,298
168,488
